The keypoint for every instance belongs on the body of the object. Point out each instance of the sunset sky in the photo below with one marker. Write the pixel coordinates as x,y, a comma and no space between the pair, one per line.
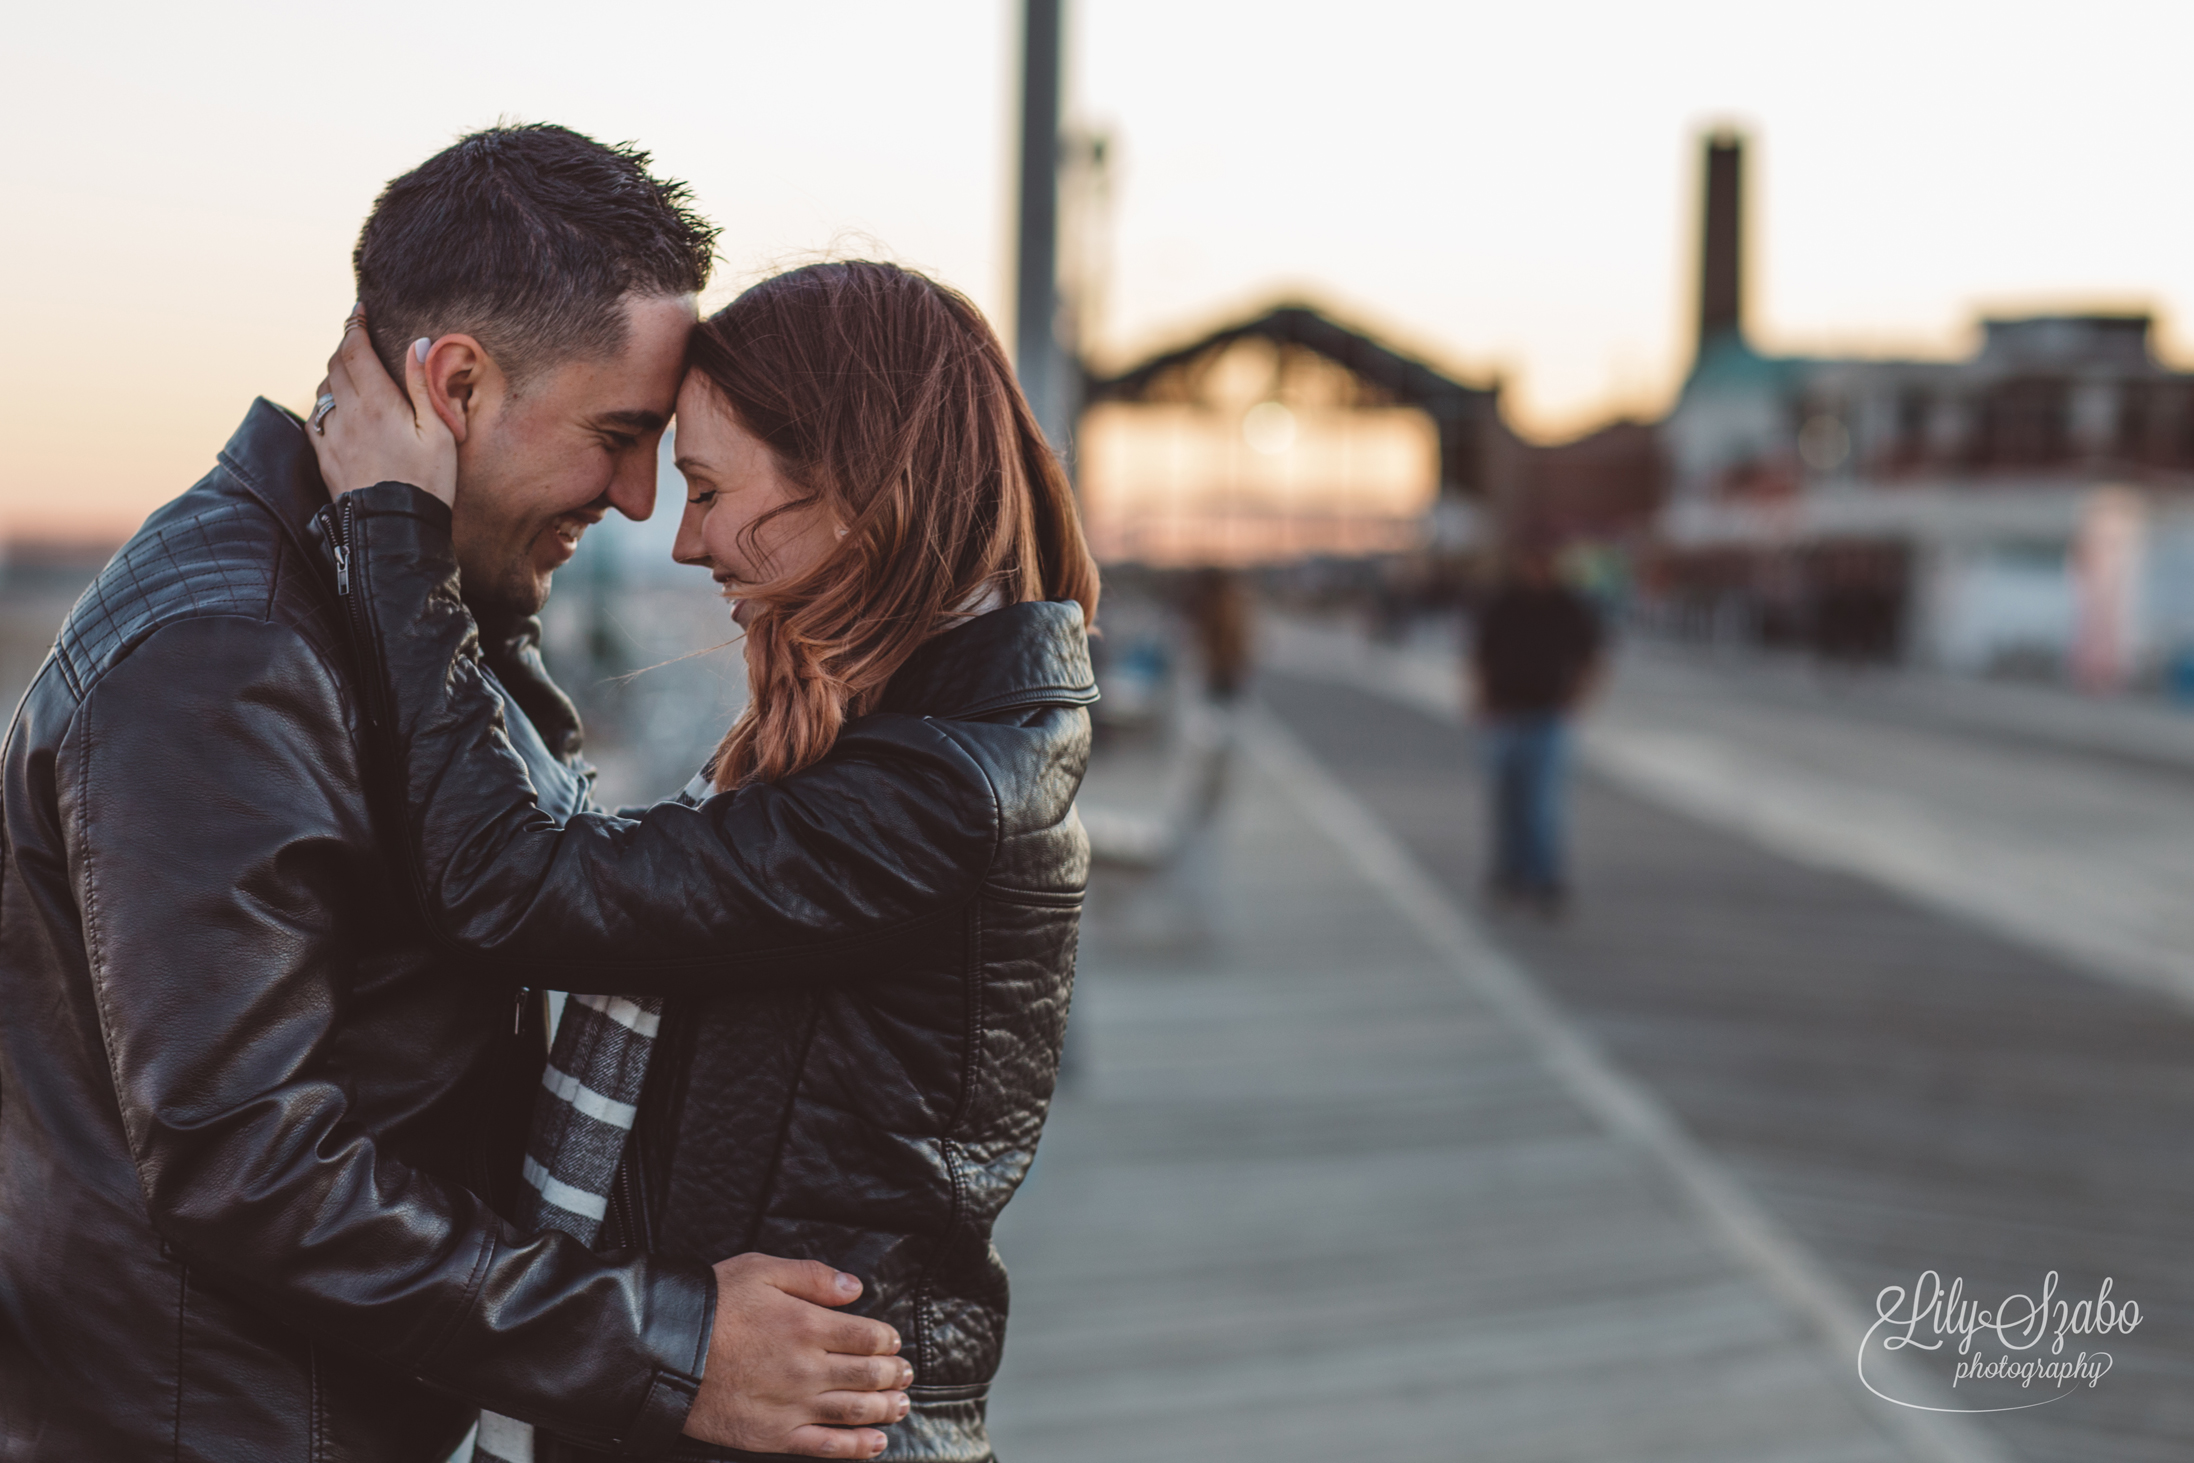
1506,188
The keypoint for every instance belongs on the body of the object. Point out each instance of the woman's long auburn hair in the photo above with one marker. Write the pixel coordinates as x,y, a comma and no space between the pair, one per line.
889,404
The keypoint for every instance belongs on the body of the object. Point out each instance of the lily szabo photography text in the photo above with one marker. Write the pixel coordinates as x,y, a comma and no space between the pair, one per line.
1075,730
2031,1332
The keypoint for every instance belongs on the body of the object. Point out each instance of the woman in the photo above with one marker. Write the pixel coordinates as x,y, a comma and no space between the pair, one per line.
862,918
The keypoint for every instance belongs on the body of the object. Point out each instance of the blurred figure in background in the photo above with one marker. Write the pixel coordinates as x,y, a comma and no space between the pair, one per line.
1535,657
1219,614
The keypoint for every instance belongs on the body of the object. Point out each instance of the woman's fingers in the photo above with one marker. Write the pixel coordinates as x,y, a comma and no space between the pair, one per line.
331,467
378,430
354,328
415,385
359,376
338,383
438,444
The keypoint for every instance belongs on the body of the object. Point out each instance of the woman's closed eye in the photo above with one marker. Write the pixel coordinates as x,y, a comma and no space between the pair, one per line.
703,498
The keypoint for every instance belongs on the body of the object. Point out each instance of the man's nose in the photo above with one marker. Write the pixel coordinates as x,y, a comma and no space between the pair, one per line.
632,490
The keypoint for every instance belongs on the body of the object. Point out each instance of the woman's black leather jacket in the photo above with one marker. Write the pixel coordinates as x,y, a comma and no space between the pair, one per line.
868,962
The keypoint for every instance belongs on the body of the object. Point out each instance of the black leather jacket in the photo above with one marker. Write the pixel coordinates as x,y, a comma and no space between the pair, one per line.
868,961
250,1118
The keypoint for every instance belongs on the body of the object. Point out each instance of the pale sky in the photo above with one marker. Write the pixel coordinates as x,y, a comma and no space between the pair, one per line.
1508,189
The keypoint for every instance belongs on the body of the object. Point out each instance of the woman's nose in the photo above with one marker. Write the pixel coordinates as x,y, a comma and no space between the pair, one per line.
687,547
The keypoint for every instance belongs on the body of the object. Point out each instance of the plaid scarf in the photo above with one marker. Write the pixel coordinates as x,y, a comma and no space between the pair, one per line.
581,1117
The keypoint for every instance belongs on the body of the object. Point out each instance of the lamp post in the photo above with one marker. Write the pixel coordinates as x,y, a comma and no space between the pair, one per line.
1036,290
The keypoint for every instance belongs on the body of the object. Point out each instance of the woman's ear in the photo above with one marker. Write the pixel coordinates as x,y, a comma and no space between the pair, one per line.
458,368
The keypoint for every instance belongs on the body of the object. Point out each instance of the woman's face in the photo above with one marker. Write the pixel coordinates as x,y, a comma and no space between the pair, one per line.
733,480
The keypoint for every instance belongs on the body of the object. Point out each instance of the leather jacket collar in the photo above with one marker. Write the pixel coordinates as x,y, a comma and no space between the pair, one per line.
511,645
270,457
1033,654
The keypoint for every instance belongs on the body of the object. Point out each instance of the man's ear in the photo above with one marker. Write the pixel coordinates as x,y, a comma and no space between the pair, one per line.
459,373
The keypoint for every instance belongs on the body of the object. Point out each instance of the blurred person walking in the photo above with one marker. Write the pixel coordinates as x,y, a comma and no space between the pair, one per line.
1535,658
1219,615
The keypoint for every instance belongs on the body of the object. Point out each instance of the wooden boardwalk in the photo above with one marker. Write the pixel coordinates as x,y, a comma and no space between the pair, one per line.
1901,1089
1308,1194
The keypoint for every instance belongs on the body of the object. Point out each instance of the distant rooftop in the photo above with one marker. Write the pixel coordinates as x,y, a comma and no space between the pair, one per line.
2063,340
1402,376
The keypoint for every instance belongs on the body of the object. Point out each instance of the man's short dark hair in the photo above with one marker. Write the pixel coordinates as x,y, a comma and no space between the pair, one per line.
529,238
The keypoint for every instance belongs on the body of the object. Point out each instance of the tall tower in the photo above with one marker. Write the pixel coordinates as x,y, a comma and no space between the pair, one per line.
1721,241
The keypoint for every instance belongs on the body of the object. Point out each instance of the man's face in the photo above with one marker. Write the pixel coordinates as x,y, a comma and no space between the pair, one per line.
535,469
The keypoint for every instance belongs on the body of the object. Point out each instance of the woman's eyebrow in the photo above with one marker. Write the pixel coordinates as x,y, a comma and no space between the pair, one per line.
686,463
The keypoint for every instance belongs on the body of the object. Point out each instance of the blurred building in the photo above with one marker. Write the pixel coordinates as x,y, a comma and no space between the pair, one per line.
1293,436
1283,437
2030,507
1606,487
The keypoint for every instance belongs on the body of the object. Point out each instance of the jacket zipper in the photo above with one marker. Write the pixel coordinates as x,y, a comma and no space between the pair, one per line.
629,1181
344,525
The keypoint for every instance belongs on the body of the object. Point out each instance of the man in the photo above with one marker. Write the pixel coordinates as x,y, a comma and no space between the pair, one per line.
254,1129
1535,656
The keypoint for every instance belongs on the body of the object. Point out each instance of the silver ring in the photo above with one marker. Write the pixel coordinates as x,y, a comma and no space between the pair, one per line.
320,410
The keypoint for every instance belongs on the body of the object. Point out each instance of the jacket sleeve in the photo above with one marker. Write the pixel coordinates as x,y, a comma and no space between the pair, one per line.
895,827
210,796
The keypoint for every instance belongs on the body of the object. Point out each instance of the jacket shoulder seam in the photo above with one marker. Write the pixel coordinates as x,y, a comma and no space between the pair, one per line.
990,790
1047,695
95,958
196,615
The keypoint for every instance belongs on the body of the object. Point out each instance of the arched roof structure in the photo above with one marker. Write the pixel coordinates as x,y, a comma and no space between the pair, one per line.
1466,417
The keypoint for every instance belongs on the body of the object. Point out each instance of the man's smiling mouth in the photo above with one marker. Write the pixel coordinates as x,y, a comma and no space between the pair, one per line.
565,533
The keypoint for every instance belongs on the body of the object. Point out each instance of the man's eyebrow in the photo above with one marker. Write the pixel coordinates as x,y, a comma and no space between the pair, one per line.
634,420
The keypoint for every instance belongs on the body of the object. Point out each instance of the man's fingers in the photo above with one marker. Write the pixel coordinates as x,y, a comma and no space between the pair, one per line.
868,1373
860,1409
832,1442
812,1280
856,1336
